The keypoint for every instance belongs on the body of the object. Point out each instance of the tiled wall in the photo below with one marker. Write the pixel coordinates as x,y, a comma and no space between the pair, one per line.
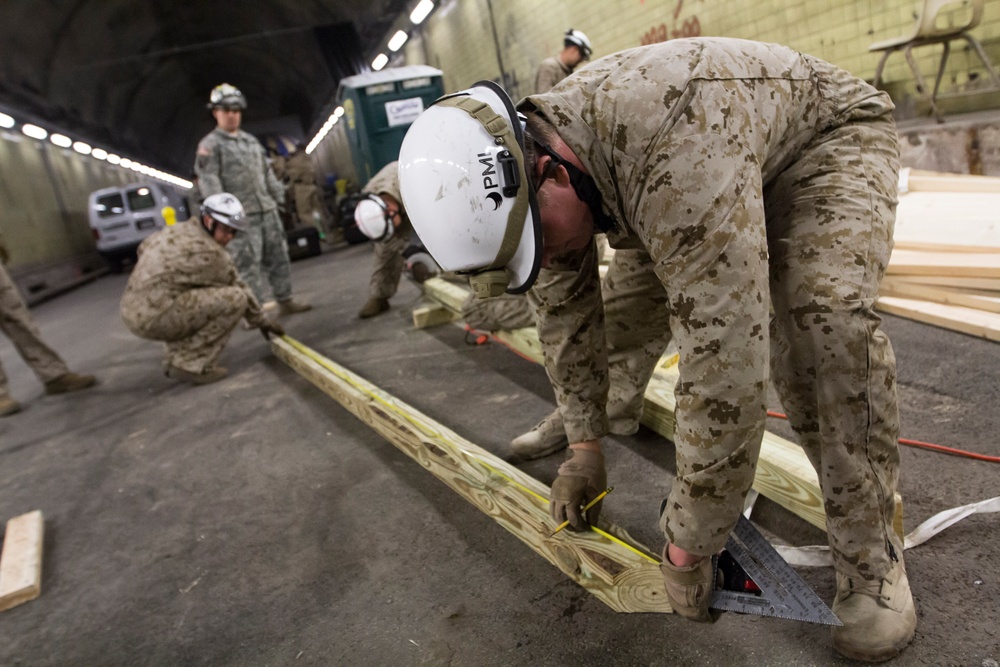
459,36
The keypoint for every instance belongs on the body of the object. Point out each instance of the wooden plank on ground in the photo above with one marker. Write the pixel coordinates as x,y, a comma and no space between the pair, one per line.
982,286
784,473
918,180
431,316
610,565
21,560
964,320
892,286
972,265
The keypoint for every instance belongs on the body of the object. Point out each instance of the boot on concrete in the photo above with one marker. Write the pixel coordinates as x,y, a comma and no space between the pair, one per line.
207,376
8,406
291,307
548,437
879,616
374,306
69,382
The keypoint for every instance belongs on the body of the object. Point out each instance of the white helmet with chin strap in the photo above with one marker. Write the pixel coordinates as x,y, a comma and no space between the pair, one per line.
578,39
464,186
225,208
373,219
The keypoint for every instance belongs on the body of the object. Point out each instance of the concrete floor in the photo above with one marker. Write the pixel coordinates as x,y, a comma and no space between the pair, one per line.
255,522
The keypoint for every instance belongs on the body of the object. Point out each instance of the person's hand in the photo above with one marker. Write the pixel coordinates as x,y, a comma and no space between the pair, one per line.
581,479
270,328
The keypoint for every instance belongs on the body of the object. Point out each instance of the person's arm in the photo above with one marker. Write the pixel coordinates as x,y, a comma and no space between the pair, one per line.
701,218
274,186
208,167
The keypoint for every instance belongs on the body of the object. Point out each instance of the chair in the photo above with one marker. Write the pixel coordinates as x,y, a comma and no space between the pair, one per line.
925,33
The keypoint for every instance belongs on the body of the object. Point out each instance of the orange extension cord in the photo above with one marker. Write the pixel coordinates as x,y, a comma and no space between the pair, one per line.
925,445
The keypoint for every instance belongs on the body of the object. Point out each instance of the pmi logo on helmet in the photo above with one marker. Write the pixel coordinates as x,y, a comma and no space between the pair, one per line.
490,179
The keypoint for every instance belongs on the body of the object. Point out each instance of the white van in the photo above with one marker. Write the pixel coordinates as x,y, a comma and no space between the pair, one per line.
123,215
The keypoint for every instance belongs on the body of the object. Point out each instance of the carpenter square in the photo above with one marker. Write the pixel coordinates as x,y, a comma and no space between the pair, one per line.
755,579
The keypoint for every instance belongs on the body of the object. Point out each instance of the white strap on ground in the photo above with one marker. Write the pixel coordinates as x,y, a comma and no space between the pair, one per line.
819,556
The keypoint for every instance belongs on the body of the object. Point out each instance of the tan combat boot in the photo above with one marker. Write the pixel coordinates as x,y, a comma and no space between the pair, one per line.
548,437
69,382
879,616
8,406
207,376
374,306
689,589
291,307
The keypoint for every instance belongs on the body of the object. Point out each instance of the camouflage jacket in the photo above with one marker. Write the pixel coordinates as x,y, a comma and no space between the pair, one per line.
550,72
386,182
177,259
681,138
238,165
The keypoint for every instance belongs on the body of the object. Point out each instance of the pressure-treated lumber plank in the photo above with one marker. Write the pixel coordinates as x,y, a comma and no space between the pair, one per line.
973,265
21,561
918,180
432,316
894,287
948,222
982,286
616,570
965,320
784,473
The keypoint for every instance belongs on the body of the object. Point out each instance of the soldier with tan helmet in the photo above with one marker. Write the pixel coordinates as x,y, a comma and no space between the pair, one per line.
185,291
231,160
741,176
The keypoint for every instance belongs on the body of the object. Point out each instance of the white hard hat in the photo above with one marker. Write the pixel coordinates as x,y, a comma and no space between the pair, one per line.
225,208
464,186
578,39
372,217
226,95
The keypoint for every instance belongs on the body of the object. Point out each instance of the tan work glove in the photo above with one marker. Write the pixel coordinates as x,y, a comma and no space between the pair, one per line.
270,328
581,479
690,588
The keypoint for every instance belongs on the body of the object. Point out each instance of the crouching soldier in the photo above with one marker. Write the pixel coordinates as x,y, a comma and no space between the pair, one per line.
186,292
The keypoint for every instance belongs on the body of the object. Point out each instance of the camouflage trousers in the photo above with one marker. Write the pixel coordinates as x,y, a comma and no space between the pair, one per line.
16,323
830,219
195,327
262,251
506,312
389,264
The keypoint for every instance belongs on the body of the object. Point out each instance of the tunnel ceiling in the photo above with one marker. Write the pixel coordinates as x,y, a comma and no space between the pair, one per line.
135,75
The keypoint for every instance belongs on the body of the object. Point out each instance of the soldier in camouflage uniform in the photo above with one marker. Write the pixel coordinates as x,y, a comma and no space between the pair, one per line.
231,160
742,175
389,250
15,321
186,292
576,49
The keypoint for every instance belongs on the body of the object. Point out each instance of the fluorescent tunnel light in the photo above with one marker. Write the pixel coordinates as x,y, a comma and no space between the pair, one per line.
380,61
421,11
397,40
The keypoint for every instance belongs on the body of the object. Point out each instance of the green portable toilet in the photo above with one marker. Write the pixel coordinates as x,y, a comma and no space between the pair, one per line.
378,109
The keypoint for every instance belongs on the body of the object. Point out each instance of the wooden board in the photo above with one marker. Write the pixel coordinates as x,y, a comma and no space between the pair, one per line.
982,286
918,180
965,320
784,473
894,287
432,316
973,265
21,560
948,222
609,564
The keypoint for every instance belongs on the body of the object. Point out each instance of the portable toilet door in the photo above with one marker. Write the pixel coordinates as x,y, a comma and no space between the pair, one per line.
378,109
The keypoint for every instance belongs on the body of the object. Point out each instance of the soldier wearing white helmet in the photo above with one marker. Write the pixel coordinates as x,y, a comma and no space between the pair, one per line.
382,218
186,292
742,177
231,160
576,49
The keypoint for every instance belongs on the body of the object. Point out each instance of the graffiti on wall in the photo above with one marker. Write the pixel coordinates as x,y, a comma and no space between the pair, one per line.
690,27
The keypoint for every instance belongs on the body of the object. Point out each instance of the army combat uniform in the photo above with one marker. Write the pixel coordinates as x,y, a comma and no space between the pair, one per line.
16,323
237,164
389,259
550,72
186,292
740,175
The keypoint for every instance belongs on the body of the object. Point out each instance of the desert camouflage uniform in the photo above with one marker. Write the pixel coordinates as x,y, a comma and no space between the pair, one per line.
550,72
302,185
238,165
742,175
16,323
186,292
389,260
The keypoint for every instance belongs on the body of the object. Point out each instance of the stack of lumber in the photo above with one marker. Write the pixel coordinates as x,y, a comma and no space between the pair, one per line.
945,269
